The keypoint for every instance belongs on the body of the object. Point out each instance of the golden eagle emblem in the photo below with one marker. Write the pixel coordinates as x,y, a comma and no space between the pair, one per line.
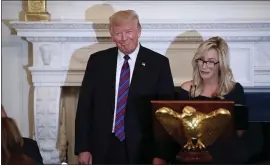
193,125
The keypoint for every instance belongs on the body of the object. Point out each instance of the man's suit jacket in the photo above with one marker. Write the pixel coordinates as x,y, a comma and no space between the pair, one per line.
151,80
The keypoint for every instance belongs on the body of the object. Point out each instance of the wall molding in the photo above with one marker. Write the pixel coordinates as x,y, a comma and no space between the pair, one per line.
149,39
152,25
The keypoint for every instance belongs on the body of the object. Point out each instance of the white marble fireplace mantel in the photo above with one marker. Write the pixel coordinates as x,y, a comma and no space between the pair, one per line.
61,50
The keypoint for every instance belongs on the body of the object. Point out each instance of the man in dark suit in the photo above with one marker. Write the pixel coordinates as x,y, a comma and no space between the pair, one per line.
114,118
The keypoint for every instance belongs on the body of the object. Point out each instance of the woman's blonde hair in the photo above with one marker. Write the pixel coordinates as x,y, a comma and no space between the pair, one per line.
122,17
226,80
11,139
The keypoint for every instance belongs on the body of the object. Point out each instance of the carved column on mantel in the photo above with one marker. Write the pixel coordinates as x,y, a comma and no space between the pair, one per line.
250,42
47,95
46,106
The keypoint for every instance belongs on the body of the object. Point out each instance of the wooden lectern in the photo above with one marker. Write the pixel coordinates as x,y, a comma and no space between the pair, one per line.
205,107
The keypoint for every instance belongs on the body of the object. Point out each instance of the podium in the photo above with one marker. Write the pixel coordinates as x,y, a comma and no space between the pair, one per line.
170,117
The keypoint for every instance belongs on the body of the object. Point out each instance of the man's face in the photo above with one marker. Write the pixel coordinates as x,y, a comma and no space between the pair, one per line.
126,36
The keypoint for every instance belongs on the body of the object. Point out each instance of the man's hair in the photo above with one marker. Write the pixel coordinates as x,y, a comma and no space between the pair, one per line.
122,17
226,79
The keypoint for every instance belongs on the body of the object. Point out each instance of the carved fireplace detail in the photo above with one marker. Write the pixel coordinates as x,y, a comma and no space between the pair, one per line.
61,50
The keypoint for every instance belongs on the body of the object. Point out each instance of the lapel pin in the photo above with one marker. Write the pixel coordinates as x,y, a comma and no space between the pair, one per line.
143,64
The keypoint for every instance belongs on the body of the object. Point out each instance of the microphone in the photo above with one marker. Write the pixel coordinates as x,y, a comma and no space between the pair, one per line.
189,95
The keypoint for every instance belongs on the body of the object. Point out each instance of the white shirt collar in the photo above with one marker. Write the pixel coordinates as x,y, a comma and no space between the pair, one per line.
133,55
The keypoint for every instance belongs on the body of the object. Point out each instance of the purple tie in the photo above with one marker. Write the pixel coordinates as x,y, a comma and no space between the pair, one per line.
122,100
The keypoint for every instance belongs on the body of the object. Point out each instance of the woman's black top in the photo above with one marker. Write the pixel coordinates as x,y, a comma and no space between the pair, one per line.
236,94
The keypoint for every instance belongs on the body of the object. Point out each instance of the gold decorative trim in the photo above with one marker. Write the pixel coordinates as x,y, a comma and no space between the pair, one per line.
37,11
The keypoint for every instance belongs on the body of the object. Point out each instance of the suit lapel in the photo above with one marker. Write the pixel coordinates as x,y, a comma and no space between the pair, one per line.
138,70
111,72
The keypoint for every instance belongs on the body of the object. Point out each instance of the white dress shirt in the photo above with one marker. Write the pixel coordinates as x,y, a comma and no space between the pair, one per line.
120,62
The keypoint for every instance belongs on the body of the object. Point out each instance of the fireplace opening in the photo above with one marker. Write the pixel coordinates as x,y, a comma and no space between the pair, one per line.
66,134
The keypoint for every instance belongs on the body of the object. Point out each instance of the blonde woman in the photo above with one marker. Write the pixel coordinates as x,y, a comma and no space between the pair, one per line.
212,76
213,80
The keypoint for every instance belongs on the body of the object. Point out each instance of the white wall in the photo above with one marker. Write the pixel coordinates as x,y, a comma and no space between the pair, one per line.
15,86
183,11
15,58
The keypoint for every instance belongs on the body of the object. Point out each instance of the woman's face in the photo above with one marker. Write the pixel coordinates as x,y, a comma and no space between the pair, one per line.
208,65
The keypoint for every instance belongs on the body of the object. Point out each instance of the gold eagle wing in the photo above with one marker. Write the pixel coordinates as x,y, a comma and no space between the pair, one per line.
172,122
213,125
